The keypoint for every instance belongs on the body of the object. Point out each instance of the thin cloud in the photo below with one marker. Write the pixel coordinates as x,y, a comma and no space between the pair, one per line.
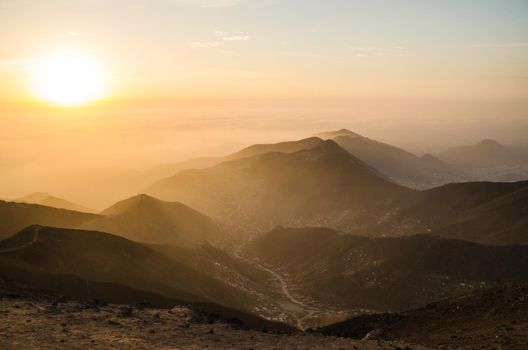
501,45
236,38
382,51
222,37
16,64
206,45
216,3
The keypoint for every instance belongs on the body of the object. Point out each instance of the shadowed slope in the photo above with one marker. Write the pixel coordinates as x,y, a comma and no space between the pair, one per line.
104,258
386,273
484,212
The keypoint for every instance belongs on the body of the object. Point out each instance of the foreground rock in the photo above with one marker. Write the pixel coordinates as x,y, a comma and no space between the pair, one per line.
44,321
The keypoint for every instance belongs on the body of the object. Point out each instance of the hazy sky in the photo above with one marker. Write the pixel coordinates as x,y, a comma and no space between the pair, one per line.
474,49
201,77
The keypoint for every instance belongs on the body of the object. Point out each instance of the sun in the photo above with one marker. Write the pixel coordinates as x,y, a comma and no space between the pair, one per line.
69,78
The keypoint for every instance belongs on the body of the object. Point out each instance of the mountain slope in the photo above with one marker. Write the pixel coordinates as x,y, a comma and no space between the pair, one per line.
165,170
39,254
401,166
147,219
483,212
16,216
47,199
385,273
321,185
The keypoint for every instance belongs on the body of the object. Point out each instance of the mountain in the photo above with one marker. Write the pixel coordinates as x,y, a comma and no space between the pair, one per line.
385,273
495,317
164,170
485,212
282,147
401,166
47,199
147,219
329,135
489,160
324,185
485,153
16,216
54,258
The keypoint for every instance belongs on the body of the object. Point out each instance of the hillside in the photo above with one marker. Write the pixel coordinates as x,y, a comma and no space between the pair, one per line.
59,259
491,318
16,216
146,219
49,200
385,273
323,185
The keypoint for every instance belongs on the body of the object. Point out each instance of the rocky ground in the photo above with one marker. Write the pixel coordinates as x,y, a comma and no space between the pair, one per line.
40,320
495,318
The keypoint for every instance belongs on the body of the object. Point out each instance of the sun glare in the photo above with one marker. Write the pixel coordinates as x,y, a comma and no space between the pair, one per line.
69,78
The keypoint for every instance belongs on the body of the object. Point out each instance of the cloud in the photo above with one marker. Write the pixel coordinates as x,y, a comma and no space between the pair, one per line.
222,37
216,3
500,45
16,64
73,33
379,51
232,37
236,38
201,44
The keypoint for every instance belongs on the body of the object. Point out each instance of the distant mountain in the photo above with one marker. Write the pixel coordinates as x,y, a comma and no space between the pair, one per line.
324,185
485,153
385,273
165,170
147,219
486,212
57,258
47,199
489,160
16,216
492,316
401,166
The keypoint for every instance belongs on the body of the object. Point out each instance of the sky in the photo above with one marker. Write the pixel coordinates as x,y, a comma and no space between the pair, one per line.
191,78
463,49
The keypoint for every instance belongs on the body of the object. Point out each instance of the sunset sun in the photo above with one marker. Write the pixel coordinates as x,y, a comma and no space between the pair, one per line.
69,78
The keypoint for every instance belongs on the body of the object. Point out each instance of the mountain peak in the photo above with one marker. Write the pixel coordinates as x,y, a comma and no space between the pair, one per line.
137,201
338,133
489,143
44,198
